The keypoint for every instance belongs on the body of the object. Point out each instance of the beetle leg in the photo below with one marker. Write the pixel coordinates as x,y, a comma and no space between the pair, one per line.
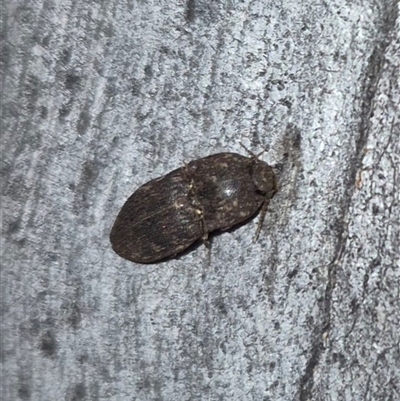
201,220
261,218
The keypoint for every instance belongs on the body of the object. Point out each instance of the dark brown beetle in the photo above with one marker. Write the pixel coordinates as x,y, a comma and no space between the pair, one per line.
168,214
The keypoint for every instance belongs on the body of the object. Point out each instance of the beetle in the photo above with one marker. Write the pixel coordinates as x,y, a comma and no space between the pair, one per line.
168,214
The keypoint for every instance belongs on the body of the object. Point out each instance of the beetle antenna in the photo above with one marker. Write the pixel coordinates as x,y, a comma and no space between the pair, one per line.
250,152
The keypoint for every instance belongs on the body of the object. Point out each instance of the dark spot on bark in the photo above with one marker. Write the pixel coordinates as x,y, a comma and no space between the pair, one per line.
52,256
64,111
79,392
83,122
82,358
45,41
65,56
14,226
90,172
190,11
135,87
21,242
286,102
72,81
5,55
43,112
110,89
24,14
48,344
338,358
220,304
75,316
354,306
24,392
108,30
148,71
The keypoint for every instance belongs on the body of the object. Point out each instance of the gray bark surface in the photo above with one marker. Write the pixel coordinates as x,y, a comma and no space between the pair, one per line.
99,97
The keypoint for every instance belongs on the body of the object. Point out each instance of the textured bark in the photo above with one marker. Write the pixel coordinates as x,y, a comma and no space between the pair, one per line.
100,97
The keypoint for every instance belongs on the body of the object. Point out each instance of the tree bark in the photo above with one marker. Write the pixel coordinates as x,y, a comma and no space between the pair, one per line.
100,97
